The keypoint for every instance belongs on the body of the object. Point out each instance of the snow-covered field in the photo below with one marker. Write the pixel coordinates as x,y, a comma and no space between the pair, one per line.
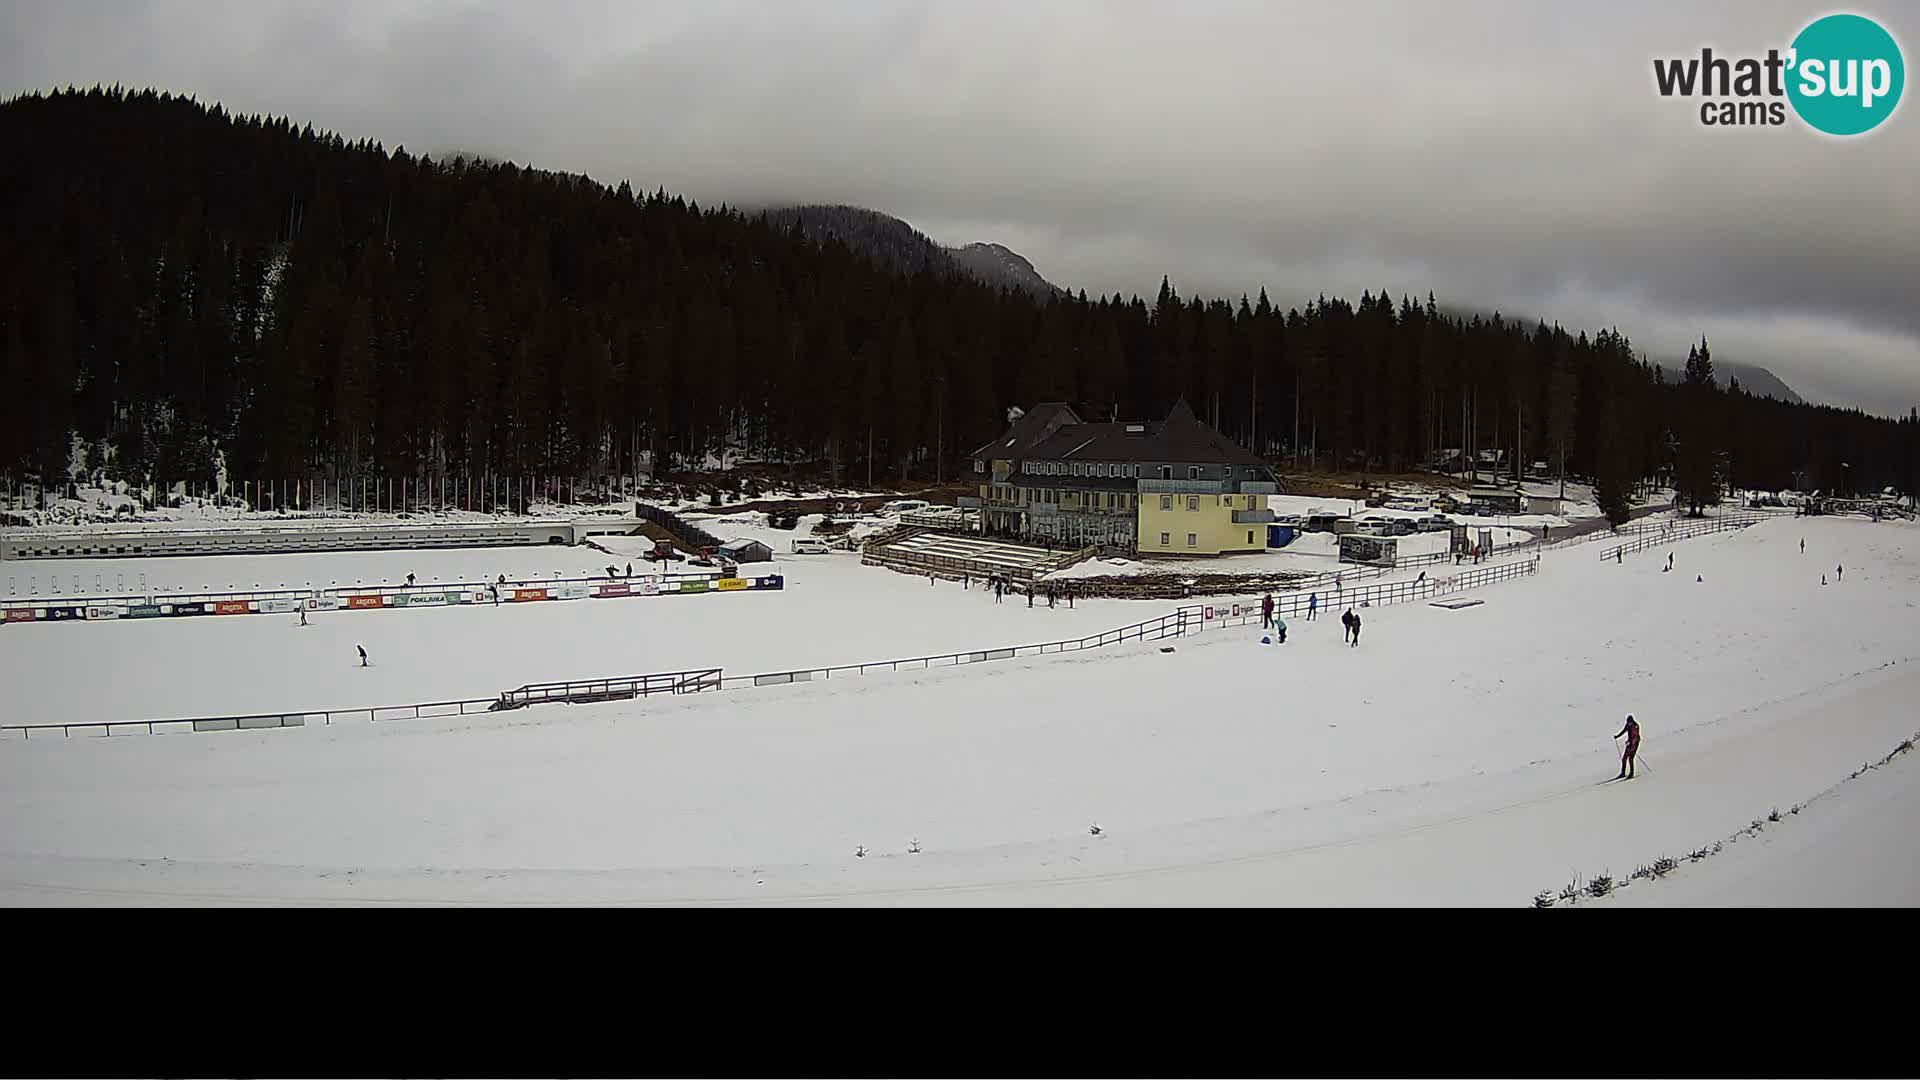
1452,758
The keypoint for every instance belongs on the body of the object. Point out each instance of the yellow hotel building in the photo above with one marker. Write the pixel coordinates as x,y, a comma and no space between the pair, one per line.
1166,487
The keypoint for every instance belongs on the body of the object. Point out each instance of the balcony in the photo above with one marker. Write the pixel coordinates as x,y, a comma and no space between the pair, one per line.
1252,517
1259,487
1157,486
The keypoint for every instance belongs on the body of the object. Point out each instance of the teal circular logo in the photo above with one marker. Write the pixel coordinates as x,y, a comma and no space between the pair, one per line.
1847,75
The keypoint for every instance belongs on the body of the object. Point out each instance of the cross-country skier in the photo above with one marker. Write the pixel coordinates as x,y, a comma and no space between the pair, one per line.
303,616
1266,611
363,654
409,581
1803,545
1632,732
1839,573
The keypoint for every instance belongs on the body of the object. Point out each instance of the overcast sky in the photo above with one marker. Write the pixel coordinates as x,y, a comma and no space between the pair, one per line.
1509,155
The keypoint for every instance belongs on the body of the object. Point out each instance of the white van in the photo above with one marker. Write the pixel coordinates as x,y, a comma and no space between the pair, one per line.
809,546
904,506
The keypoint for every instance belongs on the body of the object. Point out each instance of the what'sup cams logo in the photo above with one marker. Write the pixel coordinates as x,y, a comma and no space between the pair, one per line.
1842,75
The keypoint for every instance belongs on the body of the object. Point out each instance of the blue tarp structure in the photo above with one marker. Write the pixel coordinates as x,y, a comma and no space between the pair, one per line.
1280,535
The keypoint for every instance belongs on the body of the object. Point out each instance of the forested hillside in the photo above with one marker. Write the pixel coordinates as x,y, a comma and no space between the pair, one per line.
178,280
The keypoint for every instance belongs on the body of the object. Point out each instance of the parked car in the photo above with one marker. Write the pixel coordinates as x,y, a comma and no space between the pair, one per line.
904,506
807,545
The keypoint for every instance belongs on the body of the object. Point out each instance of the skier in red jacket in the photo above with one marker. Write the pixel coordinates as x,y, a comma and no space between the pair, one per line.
1632,732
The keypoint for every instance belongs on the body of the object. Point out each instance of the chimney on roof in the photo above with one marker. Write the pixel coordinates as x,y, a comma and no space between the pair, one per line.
1015,412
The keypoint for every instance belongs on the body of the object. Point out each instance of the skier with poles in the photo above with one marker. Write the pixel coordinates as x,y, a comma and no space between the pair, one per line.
363,654
1632,732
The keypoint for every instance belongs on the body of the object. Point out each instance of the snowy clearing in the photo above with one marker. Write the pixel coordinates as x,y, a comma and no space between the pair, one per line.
1453,758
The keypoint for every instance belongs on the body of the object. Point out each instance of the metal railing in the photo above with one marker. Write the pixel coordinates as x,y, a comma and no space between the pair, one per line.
254,721
1172,624
1673,532
1293,605
585,691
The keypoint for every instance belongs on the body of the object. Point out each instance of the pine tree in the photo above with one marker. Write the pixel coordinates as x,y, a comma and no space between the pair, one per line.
1699,444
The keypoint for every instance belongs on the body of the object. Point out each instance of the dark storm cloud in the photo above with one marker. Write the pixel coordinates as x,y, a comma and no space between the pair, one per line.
1503,155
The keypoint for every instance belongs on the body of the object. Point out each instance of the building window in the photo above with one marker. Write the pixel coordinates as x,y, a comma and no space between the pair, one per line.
1166,539
1193,502
1193,540
1166,502
1166,472
1249,537
1193,472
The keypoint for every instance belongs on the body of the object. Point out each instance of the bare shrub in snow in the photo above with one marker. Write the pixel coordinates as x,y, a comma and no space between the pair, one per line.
1600,886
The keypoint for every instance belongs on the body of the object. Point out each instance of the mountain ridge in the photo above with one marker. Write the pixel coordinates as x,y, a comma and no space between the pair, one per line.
894,243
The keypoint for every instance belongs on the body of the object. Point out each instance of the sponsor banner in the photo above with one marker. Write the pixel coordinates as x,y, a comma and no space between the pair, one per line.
425,599
1236,611
105,612
63,613
477,597
323,603
277,605
232,607
693,586
571,592
187,609
20,614
366,601
771,581
1207,614
612,589
147,611
528,594
730,584
648,588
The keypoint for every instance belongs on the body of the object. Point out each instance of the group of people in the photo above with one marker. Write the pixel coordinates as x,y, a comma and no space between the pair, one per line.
1271,620
1003,587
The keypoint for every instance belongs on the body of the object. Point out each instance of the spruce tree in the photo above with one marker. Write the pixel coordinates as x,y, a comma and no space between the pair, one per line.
1698,449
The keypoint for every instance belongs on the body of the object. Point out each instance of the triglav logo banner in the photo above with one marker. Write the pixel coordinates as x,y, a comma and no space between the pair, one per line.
1842,75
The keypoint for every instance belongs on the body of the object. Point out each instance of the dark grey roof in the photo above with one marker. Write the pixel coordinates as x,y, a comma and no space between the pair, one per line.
1027,430
1181,437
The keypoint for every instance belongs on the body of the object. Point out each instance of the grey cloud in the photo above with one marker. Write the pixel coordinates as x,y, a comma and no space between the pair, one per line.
1507,155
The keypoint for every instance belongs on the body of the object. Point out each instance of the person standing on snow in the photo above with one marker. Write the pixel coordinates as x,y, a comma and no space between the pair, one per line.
1356,630
1313,606
1279,630
1266,611
303,616
1632,732
1346,624
1839,573
1803,545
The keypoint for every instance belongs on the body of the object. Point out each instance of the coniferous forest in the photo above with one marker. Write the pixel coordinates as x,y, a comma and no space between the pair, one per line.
182,286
